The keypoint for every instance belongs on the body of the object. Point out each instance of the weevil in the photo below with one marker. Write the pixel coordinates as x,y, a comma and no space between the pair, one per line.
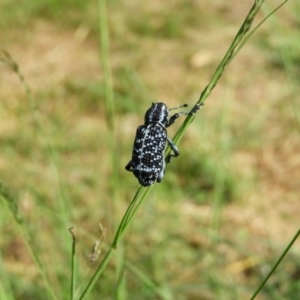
147,162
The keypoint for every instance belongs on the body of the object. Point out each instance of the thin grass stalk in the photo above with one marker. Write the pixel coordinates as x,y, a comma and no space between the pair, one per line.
276,264
120,291
10,205
64,211
229,55
126,216
105,58
239,41
142,192
147,281
290,71
139,197
6,289
257,26
108,96
99,271
73,261
131,211
110,120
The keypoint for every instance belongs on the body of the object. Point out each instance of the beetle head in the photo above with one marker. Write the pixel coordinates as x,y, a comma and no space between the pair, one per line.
157,113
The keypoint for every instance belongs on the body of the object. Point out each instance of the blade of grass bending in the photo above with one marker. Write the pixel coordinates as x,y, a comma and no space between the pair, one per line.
276,264
128,213
256,27
140,195
237,44
134,209
72,287
11,206
157,290
143,192
231,52
99,271
6,282
105,58
53,154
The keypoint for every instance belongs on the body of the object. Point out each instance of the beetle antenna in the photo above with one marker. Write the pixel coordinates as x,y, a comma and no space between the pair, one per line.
183,105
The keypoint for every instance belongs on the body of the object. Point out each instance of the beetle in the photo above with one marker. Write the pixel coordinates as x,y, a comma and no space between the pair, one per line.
147,162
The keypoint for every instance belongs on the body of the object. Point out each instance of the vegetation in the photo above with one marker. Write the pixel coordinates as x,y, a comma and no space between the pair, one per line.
75,81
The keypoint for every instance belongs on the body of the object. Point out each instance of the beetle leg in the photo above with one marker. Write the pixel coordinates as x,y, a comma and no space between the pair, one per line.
174,117
195,108
174,149
162,173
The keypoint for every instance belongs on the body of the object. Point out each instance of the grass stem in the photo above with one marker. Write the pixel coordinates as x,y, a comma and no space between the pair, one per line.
276,264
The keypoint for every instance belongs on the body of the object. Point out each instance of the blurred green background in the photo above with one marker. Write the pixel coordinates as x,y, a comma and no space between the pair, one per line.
227,206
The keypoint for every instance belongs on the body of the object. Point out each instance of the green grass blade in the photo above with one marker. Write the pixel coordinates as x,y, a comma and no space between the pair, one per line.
157,290
97,274
10,204
256,27
63,209
6,288
276,264
233,49
105,58
139,197
142,192
72,286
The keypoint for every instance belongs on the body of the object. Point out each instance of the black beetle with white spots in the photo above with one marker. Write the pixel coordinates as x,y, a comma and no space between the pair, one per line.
148,163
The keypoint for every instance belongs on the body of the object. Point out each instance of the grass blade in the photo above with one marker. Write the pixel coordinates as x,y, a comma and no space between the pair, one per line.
104,45
142,192
72,287
140,195
239,41
10,204
276,264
